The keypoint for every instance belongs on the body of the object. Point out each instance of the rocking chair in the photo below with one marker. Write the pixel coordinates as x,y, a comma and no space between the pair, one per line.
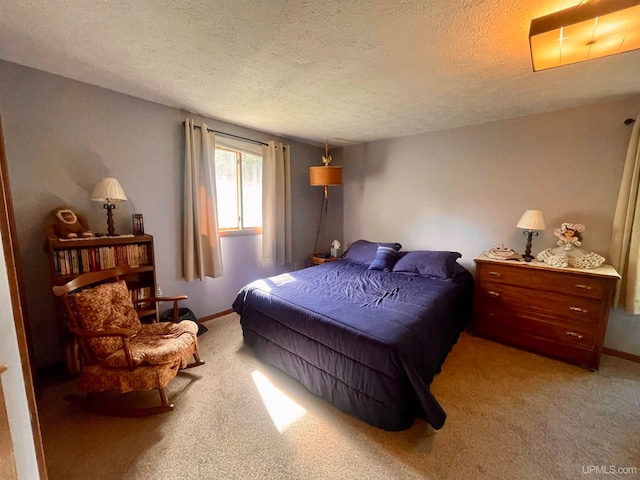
119,353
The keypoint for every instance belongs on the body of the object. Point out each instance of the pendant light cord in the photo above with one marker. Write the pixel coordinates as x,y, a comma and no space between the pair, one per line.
322,210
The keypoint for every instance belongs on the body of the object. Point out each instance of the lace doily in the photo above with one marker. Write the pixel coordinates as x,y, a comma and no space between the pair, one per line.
588,260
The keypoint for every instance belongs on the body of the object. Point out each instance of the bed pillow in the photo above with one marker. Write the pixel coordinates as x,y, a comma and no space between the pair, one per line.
363,251
386,255
440,265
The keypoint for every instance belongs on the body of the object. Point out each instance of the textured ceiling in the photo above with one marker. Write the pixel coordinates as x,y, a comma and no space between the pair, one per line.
342,70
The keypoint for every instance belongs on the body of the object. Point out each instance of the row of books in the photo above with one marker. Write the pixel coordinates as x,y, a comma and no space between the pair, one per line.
139,294
92,259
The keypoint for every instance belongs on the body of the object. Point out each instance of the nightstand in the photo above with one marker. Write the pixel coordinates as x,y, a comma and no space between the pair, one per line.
557,312
316,260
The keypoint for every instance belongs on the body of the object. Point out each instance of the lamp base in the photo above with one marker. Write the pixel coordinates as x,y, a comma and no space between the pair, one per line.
109,208
527,251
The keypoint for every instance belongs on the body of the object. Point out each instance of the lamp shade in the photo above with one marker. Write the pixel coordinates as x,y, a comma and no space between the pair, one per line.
108,190
532,220
325,176
592,29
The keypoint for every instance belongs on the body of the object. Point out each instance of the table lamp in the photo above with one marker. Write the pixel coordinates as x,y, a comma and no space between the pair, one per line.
109,192
531,221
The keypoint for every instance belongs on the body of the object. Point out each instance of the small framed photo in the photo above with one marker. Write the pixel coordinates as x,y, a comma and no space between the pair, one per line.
138,224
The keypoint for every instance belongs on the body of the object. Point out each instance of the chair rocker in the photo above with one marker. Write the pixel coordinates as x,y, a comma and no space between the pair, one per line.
119,353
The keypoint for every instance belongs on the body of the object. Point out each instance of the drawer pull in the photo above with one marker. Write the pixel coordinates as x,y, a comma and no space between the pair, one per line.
575,335
578,310
584,287
493,294
495,274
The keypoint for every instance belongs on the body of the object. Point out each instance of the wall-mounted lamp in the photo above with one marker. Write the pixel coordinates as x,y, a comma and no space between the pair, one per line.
591,29
531,221
109,192
325,176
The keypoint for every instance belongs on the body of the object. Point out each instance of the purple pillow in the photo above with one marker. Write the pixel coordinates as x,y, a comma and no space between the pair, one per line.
428,263
363,251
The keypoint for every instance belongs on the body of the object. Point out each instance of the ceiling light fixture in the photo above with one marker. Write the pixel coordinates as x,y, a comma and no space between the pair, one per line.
591,29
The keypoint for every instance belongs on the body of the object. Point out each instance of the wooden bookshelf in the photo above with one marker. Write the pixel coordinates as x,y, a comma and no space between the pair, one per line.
70,258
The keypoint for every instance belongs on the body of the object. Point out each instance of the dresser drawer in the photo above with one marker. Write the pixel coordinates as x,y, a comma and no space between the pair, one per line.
573,353
542,304
543,279
511,327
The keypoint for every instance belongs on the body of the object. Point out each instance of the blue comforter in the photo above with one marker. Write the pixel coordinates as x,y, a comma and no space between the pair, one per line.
368,341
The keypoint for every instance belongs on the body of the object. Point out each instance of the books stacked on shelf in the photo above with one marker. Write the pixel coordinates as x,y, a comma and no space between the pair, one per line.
83,260
140,293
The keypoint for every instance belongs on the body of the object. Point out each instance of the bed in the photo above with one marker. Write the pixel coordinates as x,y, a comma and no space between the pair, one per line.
367,339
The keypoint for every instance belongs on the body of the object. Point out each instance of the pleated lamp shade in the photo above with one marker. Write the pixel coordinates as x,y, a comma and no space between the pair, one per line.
532,220
108,190
325,176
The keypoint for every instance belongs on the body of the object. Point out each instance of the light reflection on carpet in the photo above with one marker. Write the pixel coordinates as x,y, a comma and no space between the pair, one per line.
282,409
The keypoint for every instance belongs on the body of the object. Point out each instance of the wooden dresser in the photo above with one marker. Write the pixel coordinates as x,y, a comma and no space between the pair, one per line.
558,312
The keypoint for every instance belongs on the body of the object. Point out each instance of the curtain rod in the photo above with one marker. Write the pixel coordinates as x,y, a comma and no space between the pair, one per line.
232,135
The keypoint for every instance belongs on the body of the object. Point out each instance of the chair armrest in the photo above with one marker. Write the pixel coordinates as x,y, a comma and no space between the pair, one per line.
161,299
157,300
125,335
111,332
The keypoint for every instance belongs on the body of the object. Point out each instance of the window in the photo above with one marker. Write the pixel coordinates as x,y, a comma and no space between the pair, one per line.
238,186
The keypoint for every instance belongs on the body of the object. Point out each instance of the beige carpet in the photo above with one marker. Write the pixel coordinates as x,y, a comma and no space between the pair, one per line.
511,415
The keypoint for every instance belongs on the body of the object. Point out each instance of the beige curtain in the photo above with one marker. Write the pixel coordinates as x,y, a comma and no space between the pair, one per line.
201,254
277,244
625,239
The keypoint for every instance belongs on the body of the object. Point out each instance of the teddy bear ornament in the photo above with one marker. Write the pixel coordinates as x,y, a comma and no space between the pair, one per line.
567,252
63,222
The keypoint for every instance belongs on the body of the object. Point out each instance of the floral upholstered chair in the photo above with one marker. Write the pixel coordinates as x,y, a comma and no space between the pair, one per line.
121,354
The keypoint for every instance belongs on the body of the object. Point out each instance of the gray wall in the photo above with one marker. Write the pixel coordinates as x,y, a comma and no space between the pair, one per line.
63,136
465,189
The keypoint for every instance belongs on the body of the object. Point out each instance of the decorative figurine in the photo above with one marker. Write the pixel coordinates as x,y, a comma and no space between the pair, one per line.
569,234
568,253
63,222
